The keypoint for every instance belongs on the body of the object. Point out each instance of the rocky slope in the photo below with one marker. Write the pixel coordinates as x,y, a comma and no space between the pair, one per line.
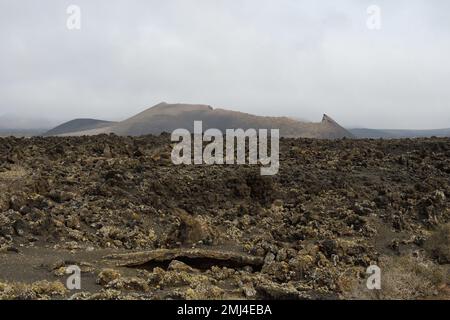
77,125
140,227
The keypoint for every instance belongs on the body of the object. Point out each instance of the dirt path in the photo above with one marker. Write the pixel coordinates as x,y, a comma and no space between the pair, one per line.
31,265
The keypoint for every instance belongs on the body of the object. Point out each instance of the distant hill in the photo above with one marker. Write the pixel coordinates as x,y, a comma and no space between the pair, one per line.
393,134
166,117
77,125
21,132
23,126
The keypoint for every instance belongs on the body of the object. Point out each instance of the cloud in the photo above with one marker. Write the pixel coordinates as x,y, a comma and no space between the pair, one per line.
288,57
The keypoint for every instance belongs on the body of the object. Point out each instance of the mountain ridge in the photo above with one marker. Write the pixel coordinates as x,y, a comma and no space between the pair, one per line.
165,117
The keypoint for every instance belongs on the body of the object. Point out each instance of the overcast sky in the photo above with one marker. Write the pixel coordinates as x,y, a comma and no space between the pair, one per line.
267,57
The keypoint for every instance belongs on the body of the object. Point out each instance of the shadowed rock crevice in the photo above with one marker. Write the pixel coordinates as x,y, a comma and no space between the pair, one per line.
202,259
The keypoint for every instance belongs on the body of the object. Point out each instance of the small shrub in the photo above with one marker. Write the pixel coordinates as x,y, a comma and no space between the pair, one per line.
403,278
438,245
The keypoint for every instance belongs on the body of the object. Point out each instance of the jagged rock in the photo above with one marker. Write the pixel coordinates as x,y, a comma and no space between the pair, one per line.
135,284
176,265
271,290
107,275
20,227
16,202
190,230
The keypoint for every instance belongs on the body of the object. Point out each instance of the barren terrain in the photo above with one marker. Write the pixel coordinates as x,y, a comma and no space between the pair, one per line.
140,227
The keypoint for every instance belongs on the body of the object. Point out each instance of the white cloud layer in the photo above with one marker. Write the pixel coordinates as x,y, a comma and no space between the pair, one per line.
277,57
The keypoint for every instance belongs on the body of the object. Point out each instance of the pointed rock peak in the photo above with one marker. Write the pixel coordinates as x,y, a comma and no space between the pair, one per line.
326,118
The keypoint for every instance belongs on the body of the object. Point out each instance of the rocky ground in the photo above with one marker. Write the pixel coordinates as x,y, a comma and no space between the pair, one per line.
140,227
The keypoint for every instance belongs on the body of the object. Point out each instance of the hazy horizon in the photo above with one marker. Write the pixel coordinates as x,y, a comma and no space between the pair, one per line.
275,58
